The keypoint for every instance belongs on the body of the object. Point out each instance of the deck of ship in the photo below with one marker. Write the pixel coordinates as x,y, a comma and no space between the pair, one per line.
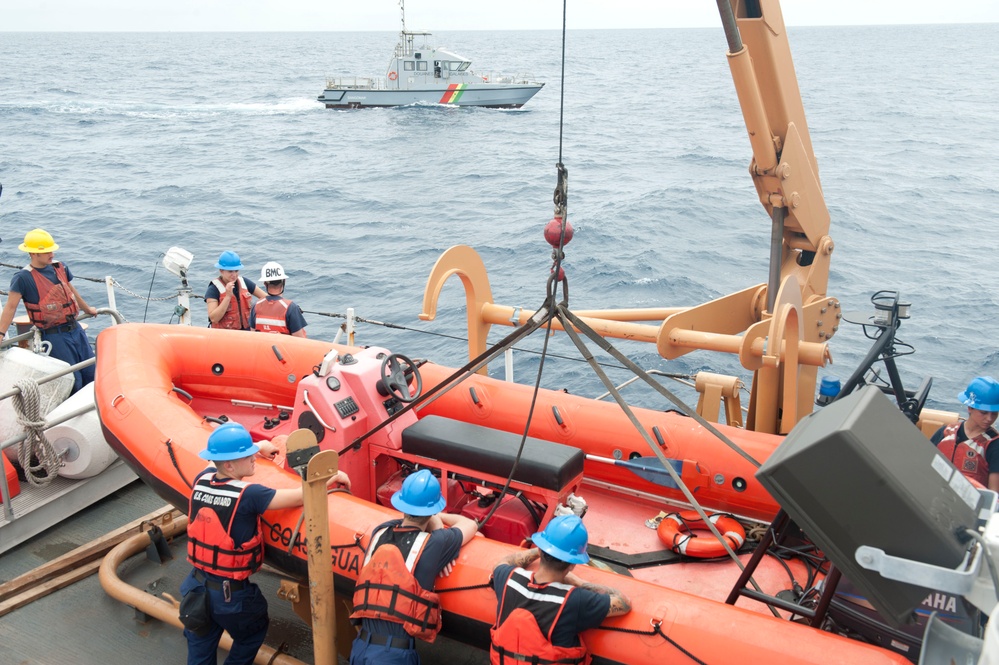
81,624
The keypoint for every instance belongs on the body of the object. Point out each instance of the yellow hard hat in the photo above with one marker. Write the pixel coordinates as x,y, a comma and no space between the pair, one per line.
38,241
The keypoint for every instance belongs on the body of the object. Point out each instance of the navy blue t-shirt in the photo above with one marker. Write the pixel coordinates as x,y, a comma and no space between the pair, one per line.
583,609
441,549
24,283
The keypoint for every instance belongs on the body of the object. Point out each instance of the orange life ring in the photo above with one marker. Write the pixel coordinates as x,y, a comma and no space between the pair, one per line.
393,76
676,530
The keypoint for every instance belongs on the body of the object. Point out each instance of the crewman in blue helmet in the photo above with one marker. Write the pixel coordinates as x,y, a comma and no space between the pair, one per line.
225,546
394,600
540,614
229,296
970,444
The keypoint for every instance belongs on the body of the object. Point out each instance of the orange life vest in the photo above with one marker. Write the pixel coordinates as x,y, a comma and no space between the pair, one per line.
271,316
237,317
209,539
969,455
524,624
56,305
386,588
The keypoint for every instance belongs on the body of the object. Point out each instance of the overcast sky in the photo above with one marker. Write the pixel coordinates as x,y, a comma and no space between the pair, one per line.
442,15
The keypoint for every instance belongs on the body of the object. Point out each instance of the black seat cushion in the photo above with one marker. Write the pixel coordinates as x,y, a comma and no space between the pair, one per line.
543,463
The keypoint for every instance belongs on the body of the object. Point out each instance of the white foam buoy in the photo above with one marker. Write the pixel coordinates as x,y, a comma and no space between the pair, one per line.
17,364
80,440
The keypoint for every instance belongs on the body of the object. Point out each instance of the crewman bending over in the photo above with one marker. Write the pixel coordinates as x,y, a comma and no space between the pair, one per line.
394,600
541,614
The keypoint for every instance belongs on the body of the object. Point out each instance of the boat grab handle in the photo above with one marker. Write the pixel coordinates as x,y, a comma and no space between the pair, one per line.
116,398
277,353
305,397
179,391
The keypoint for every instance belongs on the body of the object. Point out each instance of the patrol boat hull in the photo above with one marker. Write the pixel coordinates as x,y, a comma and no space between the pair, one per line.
484,95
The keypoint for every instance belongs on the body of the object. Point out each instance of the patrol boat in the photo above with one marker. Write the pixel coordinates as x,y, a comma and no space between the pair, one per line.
428,75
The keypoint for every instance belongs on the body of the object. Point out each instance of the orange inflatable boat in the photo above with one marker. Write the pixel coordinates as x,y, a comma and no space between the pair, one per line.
160,391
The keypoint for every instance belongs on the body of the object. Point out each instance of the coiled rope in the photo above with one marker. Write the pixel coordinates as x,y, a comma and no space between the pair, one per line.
35,444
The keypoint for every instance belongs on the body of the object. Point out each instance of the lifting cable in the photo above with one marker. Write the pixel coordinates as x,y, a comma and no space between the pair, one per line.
557,277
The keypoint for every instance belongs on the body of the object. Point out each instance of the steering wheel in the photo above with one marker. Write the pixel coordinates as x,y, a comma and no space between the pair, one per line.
396,368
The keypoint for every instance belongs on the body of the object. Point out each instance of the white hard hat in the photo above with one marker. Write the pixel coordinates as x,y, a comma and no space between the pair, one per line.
272,272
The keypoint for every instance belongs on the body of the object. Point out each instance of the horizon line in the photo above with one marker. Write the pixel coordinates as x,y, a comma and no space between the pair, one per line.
291,30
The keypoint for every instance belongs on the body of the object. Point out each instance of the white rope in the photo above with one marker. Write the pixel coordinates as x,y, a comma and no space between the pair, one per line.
34,444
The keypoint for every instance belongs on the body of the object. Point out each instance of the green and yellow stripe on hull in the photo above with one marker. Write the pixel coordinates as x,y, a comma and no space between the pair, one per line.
453,93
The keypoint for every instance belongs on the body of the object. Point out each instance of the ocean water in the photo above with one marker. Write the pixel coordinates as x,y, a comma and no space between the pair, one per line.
123,145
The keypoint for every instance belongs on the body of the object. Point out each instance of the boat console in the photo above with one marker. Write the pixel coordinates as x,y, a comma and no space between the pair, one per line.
356,392
347,395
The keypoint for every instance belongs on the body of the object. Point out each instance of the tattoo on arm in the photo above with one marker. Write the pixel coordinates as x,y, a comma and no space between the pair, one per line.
619,603
521,559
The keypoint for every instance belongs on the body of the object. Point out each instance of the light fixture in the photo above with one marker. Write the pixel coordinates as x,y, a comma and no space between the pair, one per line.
177,261
883,313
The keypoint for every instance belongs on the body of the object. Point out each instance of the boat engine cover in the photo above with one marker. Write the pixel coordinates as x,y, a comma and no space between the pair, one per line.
858,472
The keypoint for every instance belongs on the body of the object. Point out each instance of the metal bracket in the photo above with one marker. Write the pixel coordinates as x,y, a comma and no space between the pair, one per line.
959,580
157,550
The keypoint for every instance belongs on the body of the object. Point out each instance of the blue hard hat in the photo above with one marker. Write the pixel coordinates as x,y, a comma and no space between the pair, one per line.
420,495
564,538
229,260
229,441
982,394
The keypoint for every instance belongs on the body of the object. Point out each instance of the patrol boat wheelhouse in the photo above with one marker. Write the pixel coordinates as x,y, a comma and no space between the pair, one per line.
428,75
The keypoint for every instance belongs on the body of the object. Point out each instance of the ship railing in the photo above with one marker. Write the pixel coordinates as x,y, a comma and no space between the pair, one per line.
110,284
506,78
31,336
345,333
354,83
406,46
